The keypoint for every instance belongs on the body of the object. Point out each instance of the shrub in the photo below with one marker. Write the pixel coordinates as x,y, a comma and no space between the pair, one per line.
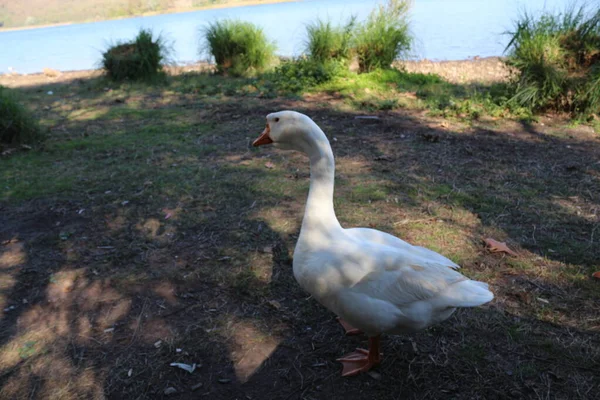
239,48
140,59
302,74
384,36
17,124
327,42
557,61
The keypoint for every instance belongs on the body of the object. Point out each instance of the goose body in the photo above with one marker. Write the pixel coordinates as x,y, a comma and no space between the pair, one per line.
375,282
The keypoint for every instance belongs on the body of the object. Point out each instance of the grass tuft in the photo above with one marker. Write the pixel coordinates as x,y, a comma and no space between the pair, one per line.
238,48
141,59
327,42
384,36
557,60
17,124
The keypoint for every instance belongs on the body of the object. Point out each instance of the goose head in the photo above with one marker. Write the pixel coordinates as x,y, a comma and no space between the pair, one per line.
291,130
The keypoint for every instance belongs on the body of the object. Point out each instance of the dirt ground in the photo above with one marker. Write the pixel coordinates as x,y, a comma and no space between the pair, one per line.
153,234
480,70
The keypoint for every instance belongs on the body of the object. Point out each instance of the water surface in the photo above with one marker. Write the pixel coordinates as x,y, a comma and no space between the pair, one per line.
444,29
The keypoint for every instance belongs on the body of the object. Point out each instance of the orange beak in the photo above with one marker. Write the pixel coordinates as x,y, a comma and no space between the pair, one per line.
264,138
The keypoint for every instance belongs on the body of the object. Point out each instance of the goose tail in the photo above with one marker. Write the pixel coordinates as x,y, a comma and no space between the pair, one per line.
466,293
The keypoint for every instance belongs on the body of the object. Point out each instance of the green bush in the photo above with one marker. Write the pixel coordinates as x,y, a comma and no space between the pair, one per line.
238,48
140,59
384,36
17,124
557,61
302,74
327,42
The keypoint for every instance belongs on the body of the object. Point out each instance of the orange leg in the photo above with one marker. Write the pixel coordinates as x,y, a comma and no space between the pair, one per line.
350,330
361,360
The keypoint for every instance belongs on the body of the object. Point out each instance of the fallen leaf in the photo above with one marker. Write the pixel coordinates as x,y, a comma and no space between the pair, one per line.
596,275
496,246
269,165
187,367
275,304
224,380
157,343
130,372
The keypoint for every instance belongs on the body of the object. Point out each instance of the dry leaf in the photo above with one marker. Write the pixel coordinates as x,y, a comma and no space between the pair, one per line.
596,275
269,165
496,246
275,304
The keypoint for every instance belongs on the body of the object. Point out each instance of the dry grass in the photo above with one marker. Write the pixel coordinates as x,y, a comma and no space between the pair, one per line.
32,13
480,70
147,232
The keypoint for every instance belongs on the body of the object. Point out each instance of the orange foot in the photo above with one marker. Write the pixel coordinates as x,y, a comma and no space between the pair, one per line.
361,360
350,330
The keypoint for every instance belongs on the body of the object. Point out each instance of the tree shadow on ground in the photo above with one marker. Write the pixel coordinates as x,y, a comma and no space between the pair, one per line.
182,253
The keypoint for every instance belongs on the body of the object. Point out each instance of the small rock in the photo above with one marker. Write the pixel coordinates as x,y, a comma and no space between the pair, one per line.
267,249
157,343
375,375
170,390
50,93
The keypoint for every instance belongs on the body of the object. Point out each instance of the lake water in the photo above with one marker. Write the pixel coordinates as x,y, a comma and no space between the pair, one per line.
444,29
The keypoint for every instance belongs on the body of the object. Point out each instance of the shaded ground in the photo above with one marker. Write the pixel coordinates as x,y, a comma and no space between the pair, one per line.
147,231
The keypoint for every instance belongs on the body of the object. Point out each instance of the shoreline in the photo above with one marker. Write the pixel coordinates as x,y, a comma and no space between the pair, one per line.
180,10
470,71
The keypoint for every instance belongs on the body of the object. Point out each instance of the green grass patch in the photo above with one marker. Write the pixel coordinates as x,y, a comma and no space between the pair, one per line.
557,59
327,42
140,59
384,36
17,123
238,48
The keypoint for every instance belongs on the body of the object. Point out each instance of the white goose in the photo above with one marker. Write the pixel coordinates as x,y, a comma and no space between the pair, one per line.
375,282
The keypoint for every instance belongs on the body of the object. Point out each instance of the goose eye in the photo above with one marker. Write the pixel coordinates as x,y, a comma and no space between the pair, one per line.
276,120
